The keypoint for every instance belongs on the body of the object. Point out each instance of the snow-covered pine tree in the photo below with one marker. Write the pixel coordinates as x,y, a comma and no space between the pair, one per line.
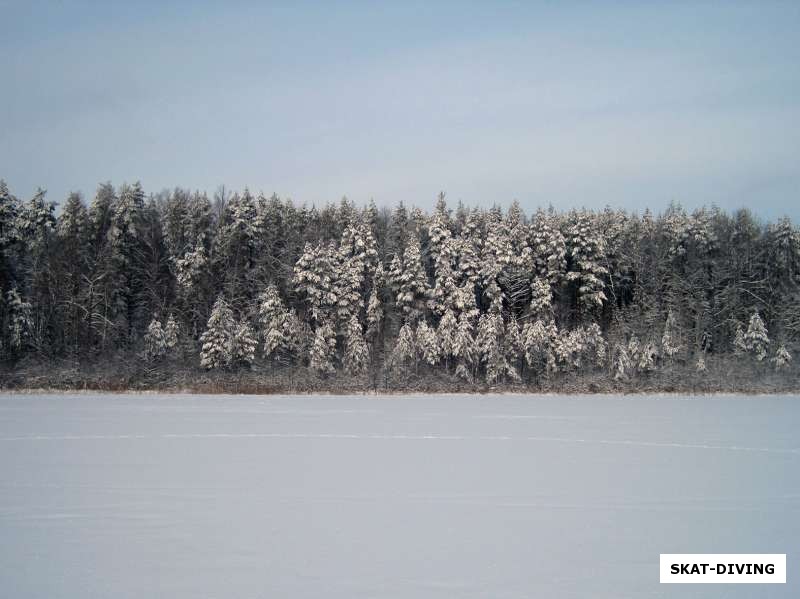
739,343
215,352
538,339
271,316
464,348
647,358
410,282
299,337
125,259
446,336
468,249
569,349
323,350
548,247
20,321
586,248
357,258
356,353
513,345
594,343
36,220
490,347
756,338
622,363
427,344
191,265
374,306
782,357
243,344
171,332
313,274
155,341
73,224
541,305
405,349
9,213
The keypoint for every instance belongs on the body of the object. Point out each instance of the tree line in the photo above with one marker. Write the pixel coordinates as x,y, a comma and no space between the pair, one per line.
241,281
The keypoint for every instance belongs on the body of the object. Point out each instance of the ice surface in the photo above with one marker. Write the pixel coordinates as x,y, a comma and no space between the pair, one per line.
132,496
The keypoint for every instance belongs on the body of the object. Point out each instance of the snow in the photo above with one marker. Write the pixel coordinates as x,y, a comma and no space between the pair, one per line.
400,496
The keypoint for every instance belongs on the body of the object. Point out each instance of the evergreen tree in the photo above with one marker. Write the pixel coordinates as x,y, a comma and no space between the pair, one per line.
323,350
464,348
756,339
356,353
405,350
155,341
216,350
427,343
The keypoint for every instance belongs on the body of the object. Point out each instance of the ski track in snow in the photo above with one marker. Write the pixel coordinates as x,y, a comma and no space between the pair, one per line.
400,437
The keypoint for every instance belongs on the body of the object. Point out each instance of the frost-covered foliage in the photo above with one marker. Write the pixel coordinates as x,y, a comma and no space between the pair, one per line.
20,323
216,340
756,339
781,358
739,342
427,344
323,350
374,305
489,340
155,341
405,350
409,281
484,295
356,352
464,350
446,335
539,339
272,316
622,363
586,248
243,344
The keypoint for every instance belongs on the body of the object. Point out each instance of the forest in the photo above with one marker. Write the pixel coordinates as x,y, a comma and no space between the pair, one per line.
248,292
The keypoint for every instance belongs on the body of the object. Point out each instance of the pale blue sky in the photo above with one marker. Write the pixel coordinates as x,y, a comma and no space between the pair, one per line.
631,104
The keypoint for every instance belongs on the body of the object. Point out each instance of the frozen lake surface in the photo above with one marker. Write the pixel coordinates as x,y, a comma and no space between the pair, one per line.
132,496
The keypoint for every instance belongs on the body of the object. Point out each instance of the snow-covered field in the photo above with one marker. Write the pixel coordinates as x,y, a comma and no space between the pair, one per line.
409,497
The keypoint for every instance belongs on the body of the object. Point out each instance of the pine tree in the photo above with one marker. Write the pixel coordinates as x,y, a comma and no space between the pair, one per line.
490,346
586,248
356,353
405,349
171,332
538,339
20,323
541,304
216,351
374,306
155,341
756,339
464,348
622,363
410,282
242,344
323,350
427,344
781,358
271,317
739,342
446,335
